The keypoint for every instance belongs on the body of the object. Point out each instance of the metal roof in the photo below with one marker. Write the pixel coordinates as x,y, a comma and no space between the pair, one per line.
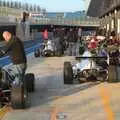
98,8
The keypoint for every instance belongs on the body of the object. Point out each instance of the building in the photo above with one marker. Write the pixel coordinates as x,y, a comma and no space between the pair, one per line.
14,9
109,13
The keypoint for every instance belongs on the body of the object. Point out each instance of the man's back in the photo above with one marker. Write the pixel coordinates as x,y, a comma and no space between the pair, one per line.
16,50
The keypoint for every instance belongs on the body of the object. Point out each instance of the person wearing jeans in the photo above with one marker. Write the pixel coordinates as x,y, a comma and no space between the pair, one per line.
15,49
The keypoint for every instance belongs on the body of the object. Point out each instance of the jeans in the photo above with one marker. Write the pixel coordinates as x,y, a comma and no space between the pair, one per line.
16,73
72,48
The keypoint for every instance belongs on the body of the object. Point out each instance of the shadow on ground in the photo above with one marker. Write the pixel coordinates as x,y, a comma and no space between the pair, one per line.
49,88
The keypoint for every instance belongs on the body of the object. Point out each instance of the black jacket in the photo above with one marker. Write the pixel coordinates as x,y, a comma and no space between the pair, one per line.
15,50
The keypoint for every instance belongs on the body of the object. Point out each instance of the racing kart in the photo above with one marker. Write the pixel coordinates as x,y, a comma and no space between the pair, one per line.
86,68
47,49
13,94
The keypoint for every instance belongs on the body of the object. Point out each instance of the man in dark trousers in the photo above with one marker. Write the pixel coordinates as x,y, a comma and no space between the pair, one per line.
61,34
71,41
15,49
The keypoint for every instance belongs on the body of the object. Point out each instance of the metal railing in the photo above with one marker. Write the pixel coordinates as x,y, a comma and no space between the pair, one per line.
73,22
12,15
46,21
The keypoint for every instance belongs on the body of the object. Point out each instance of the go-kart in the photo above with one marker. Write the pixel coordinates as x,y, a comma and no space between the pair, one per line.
14,94
86,68
47,49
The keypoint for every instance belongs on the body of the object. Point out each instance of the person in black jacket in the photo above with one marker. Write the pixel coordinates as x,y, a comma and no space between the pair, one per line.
15,49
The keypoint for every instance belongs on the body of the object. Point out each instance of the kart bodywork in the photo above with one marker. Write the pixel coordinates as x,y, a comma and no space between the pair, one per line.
13,94
87,67
48,49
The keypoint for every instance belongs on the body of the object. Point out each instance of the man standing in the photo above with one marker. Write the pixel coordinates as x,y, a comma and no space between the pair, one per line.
79,34
45,35
15,49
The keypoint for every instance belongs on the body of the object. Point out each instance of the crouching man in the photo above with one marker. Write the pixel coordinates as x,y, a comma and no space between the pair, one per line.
15,49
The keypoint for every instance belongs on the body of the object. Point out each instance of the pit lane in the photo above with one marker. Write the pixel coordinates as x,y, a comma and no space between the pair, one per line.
49,87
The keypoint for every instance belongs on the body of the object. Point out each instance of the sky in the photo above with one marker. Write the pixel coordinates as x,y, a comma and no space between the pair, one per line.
60,5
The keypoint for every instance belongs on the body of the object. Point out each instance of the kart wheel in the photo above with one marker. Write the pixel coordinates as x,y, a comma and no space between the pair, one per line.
112,74
19,97
42,54
68,73
37,53
30,82
104,75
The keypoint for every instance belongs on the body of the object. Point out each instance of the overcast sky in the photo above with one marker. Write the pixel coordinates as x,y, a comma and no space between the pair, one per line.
60,5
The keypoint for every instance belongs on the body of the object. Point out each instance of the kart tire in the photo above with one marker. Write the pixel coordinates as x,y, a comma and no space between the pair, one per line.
42,54
112,74
37,53
49,53
68,73
19,97
30,82
105,75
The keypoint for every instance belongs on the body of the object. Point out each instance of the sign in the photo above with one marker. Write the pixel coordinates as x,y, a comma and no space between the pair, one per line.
36,14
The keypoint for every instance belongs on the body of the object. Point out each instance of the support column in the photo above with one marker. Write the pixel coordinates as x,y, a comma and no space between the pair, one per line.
115,21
